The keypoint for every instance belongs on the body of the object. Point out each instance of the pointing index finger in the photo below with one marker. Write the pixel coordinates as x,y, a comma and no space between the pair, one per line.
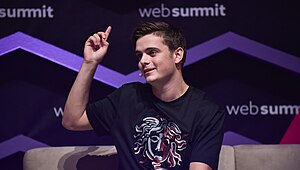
107,32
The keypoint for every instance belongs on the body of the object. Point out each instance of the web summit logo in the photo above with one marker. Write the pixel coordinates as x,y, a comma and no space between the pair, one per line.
253,109
43,12
213,11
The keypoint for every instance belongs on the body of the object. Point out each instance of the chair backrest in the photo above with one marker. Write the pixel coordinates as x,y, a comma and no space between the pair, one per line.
265,157
70,158
226,160
240,157
92,157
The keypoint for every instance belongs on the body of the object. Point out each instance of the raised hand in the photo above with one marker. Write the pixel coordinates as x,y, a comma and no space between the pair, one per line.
96,46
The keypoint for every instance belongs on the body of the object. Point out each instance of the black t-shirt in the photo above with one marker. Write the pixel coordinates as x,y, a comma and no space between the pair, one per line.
150,133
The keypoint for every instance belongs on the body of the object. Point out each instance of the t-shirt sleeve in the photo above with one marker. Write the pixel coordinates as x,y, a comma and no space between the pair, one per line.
101,115
207,142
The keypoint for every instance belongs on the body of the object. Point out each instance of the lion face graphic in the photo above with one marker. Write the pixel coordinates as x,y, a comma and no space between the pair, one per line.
158,143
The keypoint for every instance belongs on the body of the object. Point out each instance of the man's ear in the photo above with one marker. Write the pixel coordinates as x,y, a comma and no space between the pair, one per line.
178,55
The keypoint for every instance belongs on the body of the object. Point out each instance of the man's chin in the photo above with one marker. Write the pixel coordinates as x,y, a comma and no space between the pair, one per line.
150,80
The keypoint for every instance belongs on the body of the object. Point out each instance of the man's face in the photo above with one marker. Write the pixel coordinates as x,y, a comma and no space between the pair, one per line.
156,62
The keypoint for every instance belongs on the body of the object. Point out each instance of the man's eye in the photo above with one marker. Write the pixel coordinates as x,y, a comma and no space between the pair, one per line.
139,56
152,53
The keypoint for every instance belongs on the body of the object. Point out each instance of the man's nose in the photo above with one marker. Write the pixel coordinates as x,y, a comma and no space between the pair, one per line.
145,59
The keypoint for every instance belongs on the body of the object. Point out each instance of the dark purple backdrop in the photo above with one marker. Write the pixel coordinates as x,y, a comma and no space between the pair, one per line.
245,55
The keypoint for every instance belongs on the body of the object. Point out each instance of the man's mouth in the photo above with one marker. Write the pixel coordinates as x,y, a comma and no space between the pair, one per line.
148,70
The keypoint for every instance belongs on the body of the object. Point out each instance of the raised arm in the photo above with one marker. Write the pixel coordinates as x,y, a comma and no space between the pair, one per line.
95,48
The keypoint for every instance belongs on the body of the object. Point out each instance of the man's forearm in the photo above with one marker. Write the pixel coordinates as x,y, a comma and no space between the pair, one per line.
199,166
79,95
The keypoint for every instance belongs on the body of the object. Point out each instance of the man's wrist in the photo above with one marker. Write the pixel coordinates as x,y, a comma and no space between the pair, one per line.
91,62
89,66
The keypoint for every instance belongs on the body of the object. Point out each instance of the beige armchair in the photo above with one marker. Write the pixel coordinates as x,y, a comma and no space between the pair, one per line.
240,157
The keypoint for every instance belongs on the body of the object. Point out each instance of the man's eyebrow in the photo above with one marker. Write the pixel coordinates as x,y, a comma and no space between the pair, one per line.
137,52
147,50
151,48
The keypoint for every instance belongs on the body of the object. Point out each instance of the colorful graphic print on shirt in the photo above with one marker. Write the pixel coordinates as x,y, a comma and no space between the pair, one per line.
159,143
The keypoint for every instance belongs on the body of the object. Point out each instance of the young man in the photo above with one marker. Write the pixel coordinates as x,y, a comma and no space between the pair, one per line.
163,124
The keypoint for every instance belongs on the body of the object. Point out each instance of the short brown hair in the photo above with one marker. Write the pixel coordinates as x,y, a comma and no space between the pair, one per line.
172,36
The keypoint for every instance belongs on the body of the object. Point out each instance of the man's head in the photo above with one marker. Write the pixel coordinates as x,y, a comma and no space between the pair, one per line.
172,37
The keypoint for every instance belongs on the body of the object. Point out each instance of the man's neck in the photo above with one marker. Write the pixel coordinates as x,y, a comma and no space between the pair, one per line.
170,91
